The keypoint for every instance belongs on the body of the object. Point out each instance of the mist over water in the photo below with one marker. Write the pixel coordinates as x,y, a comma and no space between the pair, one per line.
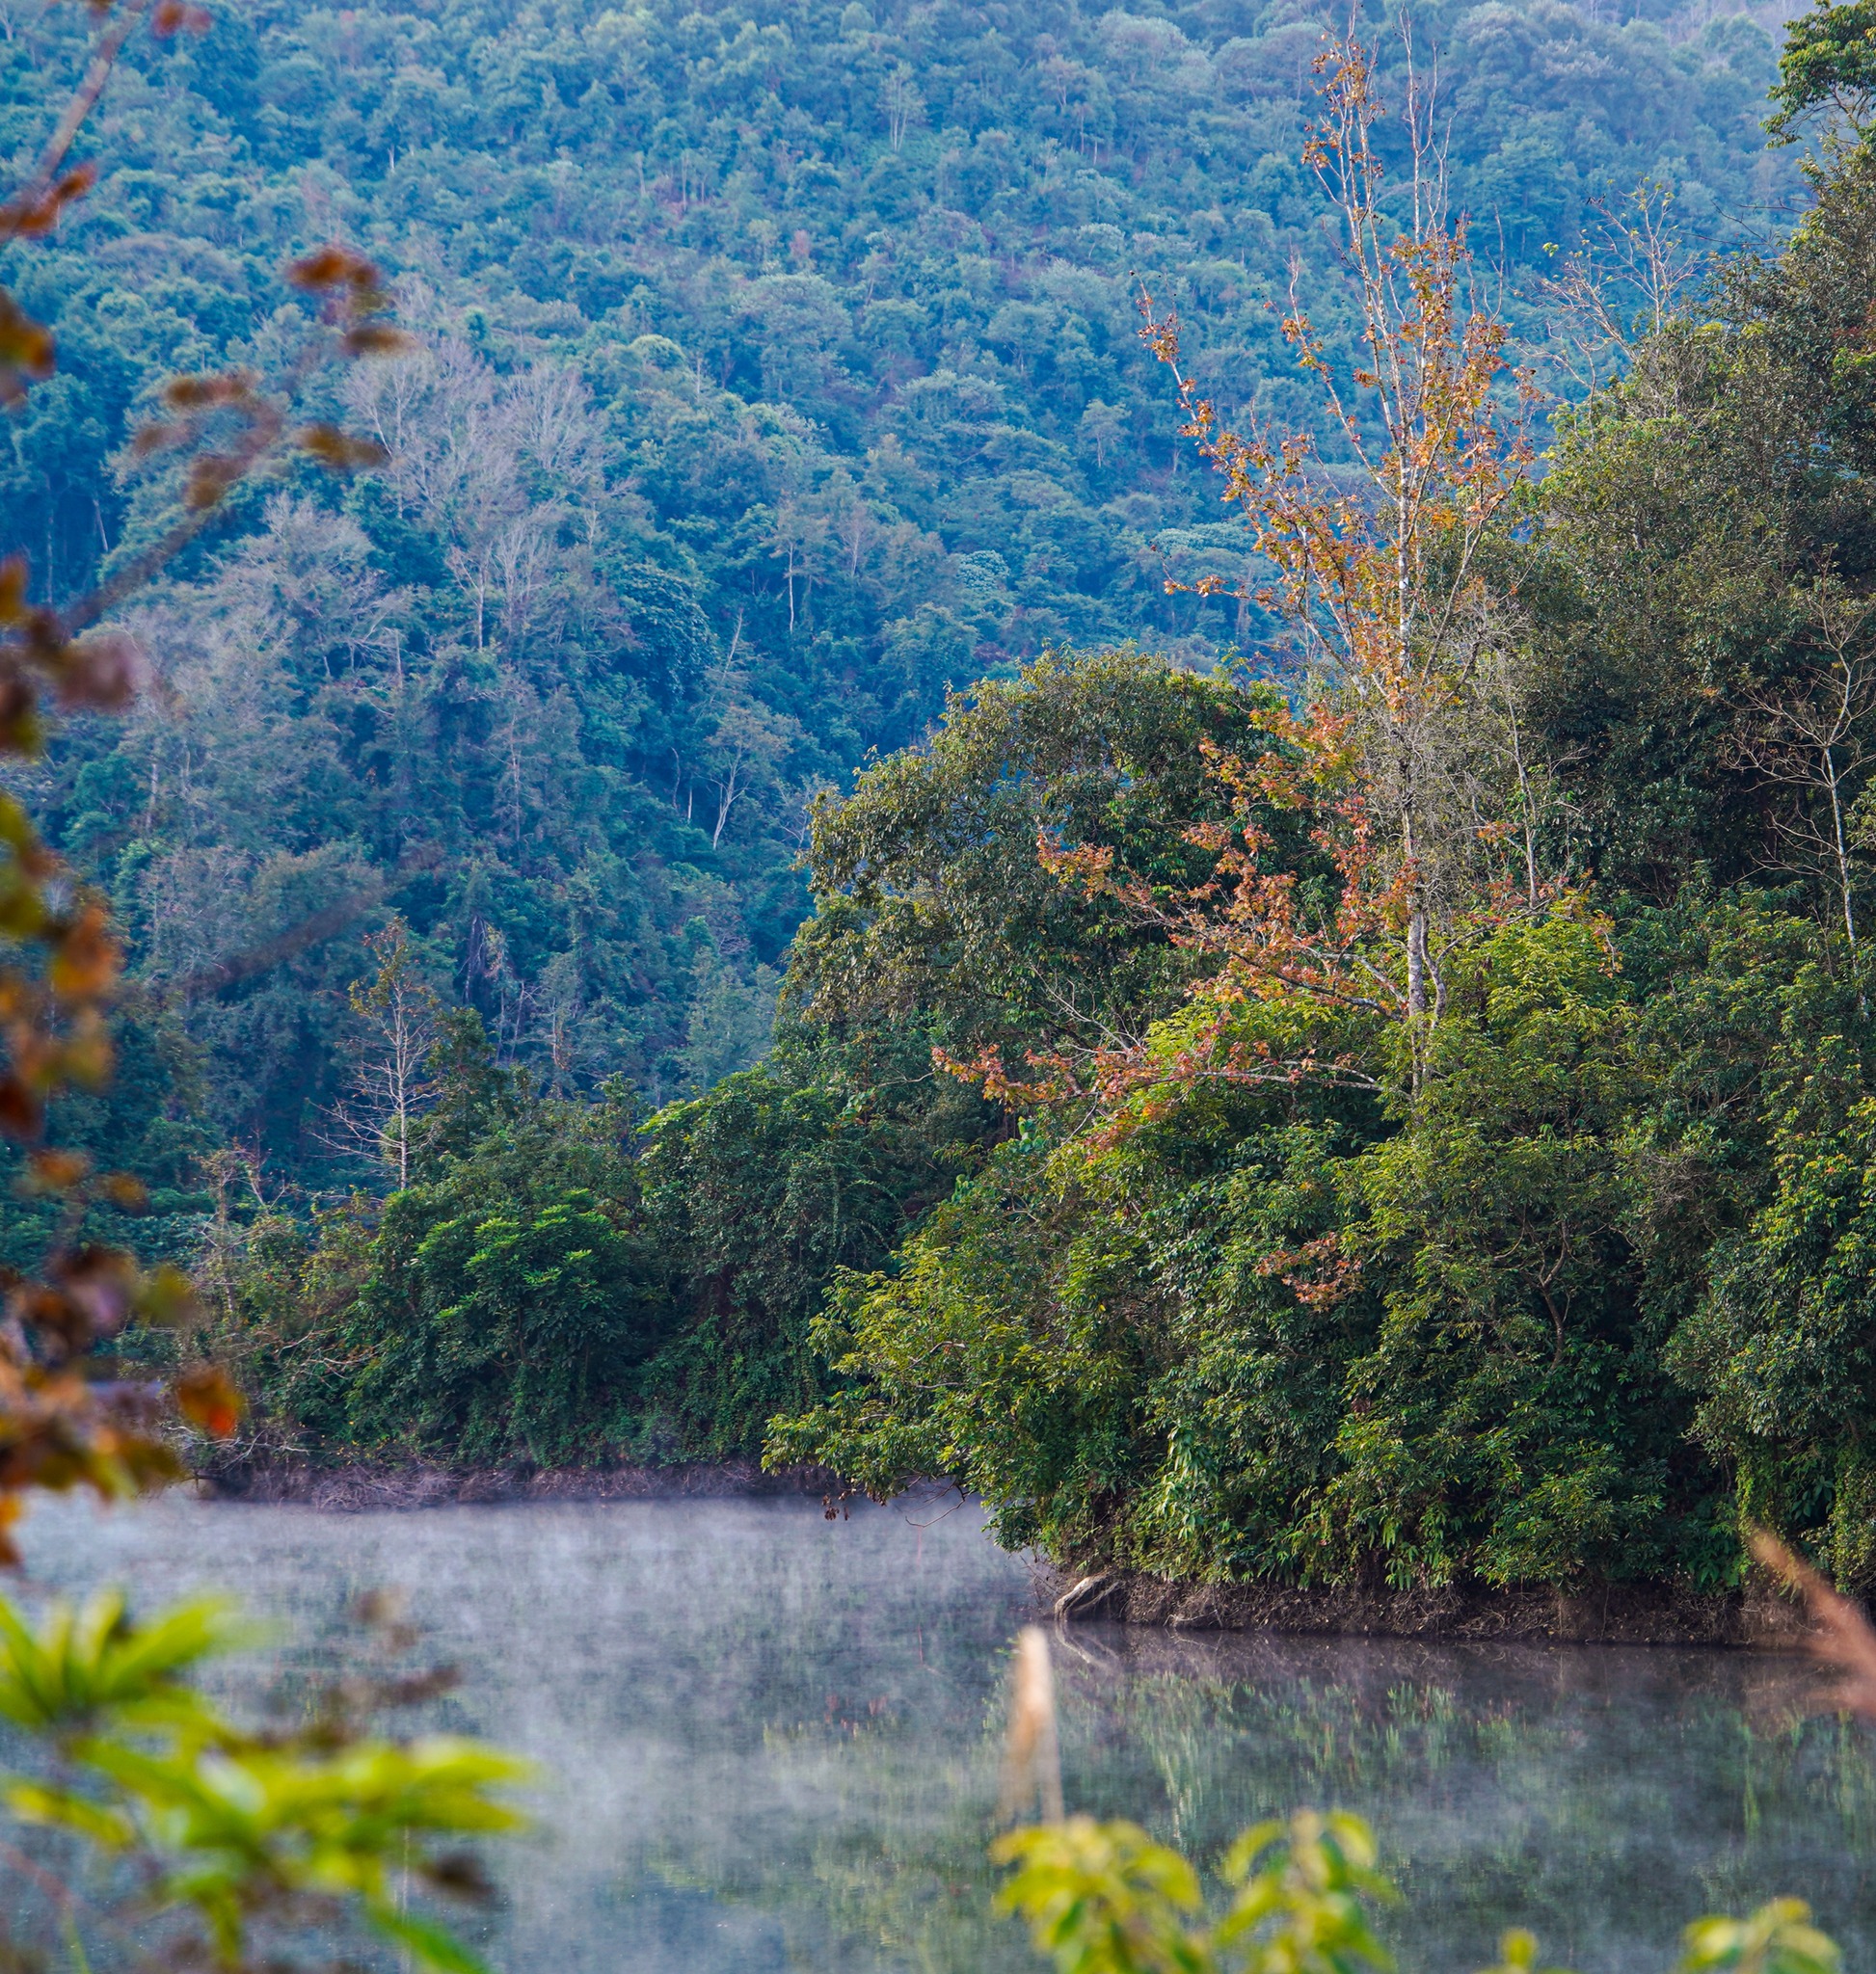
770,1742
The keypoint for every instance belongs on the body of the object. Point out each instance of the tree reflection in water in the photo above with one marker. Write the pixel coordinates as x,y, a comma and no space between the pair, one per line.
775,1740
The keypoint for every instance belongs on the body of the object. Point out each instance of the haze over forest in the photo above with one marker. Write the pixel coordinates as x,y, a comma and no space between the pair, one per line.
779,372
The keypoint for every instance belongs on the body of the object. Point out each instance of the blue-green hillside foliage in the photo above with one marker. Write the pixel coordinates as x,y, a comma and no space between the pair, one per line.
777,372
675,743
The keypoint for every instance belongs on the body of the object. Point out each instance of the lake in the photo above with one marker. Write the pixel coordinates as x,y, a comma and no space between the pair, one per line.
771,1740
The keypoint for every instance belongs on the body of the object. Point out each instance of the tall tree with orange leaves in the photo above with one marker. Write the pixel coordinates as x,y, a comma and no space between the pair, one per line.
1393,568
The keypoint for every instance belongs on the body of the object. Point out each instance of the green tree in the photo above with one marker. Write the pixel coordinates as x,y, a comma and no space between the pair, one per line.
1511,1419
759,1194
932,901
1829,59
499,1308
1693,514
510,1337
1780,1349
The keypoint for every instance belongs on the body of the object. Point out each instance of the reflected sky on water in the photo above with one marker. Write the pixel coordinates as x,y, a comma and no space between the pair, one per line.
770,1741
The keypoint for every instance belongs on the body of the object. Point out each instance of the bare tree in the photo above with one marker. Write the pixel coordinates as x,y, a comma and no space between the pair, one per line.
231,1168
1103,426
1383,584
504,468
1623,284
390,1090
1395,571
856,530
1814,738
750,744
799,533
306,586
900,100
487,962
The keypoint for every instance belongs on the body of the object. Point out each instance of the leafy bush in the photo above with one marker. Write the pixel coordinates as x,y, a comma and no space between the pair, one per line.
231,1843
1103,1898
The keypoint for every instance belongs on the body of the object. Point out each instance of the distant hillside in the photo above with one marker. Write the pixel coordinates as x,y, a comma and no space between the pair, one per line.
778,373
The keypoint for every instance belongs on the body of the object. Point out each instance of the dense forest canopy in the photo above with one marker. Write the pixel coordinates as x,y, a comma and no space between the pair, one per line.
1309,1020
778,372
1495,1206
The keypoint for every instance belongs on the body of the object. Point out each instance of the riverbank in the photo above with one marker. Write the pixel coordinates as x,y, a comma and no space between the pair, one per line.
357,1488
1602,1614
1599,1614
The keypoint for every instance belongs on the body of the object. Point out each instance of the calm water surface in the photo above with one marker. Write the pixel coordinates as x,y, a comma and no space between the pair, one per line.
771,1740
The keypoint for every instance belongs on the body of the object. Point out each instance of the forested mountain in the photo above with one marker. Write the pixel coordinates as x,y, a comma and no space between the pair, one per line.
776,371
1391,1102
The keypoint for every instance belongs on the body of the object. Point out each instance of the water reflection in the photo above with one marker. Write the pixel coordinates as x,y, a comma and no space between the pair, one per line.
772,1740
1601,1797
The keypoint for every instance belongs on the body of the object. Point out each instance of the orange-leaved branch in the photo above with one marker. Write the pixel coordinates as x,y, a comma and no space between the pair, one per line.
1391,556
68,1418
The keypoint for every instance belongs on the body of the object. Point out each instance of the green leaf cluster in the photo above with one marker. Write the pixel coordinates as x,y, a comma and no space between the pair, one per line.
1103,1898
1829,58
238,1838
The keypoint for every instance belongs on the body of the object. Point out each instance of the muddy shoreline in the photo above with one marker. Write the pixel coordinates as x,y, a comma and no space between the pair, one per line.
357,1490
1599,1614
1602,1614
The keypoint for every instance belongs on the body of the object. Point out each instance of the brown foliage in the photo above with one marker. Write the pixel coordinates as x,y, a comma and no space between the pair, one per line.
1840,1634
66,1419
1406,767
